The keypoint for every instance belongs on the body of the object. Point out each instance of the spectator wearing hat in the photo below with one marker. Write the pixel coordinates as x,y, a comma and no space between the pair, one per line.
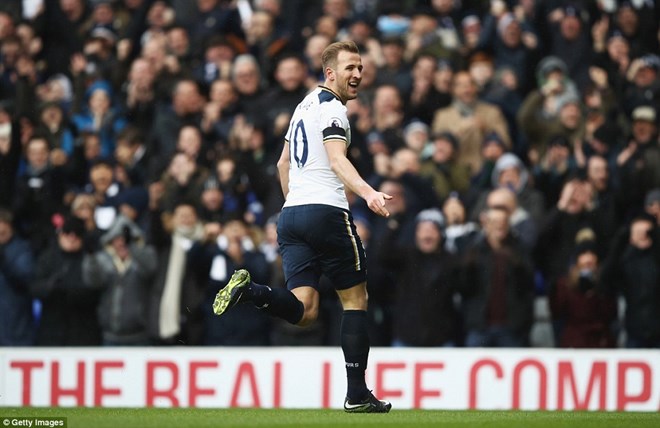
417,138
426,274
631,270
554,109
470,120
584,315
442,169
643,88
510,172
497,286
16,274
639,161
123,271
68,314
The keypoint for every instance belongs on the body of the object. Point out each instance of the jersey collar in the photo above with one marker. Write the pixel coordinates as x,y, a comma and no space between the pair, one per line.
324,96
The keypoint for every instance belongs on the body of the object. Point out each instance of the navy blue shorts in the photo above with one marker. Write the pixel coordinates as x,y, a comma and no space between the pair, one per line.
320,239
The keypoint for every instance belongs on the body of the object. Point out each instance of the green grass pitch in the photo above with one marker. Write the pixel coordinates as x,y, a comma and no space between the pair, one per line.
199,418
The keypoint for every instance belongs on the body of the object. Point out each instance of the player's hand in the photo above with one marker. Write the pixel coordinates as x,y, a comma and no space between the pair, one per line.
376,203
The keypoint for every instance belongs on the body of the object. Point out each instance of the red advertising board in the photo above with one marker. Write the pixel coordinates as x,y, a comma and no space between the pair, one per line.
438,378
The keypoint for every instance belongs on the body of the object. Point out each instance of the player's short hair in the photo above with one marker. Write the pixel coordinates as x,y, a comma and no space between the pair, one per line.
330,54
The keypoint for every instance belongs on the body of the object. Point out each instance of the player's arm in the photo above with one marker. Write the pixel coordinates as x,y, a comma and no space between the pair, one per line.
336,150
283,165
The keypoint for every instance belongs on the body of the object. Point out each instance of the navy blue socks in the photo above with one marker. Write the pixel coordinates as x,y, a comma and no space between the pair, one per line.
355,344
277,302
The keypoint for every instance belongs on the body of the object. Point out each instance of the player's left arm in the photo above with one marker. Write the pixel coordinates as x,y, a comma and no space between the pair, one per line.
283,165
336,150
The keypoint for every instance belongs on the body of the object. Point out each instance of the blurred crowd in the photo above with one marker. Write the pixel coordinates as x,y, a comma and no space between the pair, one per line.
138,150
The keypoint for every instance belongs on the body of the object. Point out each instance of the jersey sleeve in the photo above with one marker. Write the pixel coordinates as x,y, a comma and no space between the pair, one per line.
333,121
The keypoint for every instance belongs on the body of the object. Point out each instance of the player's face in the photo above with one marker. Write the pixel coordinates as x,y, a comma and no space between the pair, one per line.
348,75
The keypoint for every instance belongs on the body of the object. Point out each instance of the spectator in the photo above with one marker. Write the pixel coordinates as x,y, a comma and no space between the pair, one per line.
101,117
566,120
511,173
214,262
183,182
123,271
643,86
470,120
497,287
395,71
138,94
290,74
179,316
459,232
586,316
219,115
575,211
639,161
16,274
130,153
523,227
512,42
570,41
423,311
442,169
186,109
556,166
39,193
424,98
103,187
68,314
247,78
264,42
631,269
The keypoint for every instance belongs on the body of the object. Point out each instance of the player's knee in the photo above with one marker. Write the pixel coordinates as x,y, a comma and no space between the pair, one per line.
309,316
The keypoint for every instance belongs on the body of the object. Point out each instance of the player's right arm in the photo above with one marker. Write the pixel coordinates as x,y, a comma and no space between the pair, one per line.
336,150
283,165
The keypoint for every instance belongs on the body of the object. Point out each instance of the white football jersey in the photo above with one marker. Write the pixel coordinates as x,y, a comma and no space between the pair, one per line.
319,117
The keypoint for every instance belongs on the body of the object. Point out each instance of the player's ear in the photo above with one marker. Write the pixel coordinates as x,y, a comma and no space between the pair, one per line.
329,73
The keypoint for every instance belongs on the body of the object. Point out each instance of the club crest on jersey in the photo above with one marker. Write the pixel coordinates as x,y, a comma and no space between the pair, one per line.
335,122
